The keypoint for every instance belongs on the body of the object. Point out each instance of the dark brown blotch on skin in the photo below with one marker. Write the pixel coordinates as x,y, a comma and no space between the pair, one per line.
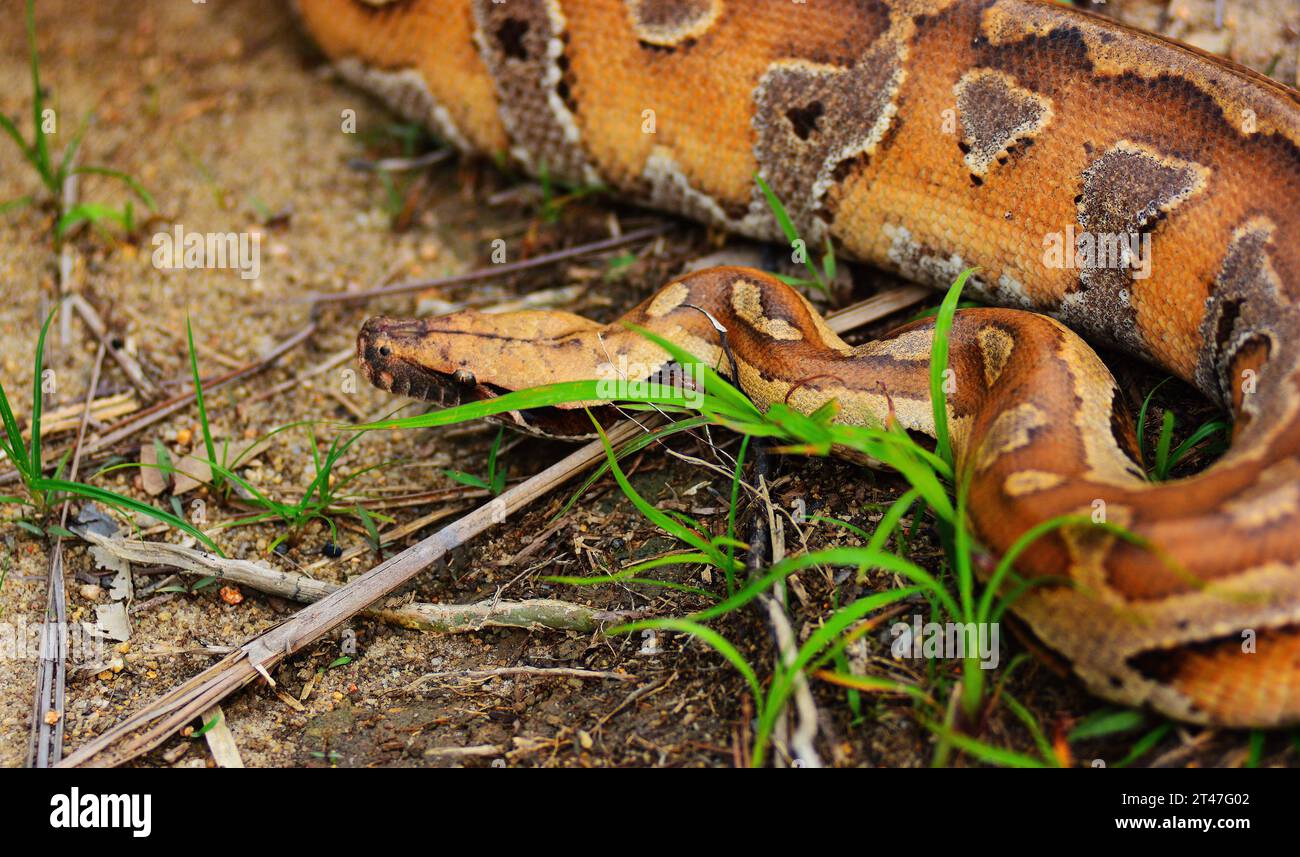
995,115
1126,189
812,119
1245,304
514,41
1125,193
665,24
510,35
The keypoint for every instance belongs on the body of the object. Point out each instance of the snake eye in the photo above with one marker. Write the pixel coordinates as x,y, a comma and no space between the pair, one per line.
463,377
385,351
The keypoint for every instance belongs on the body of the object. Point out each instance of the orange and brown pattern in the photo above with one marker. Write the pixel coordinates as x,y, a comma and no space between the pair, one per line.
1140,191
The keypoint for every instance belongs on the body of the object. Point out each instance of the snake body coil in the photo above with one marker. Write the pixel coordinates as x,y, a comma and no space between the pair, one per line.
1140,192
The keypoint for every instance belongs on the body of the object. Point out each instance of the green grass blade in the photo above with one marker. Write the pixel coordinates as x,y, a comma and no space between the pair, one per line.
1025,716
656,516
130,181
40,145
38,403
119,501
200,403
641,441
783,683
985,752
778,210
70,150
1162,446
1205,430
1145,744
708,636
549,395
15,449
7,125
939,364
466,479
1106,722
1142,423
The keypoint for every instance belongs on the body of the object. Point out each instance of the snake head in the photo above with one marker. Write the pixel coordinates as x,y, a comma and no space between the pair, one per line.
404,356
470,356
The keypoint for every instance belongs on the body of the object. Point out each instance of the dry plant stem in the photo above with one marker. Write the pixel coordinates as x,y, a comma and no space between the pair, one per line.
46,745
398,165
150,726
541,672
492,271
475,752
877,307
532,614
165,409
67,253
770,537
147,389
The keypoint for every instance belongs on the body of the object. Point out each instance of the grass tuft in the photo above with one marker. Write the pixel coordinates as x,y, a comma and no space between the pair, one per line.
53,174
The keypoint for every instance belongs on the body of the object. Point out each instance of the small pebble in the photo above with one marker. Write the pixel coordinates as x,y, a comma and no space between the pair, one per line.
91,591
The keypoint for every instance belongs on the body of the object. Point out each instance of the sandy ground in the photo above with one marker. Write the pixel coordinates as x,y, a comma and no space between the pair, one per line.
223,112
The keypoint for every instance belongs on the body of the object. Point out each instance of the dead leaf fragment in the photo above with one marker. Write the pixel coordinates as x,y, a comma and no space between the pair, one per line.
152,479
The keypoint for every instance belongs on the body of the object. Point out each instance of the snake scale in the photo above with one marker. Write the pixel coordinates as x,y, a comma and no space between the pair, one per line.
926,136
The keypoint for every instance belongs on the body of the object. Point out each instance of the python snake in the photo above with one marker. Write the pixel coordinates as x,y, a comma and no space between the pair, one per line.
926,136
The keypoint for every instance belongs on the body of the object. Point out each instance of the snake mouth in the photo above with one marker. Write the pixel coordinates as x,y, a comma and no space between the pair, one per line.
395,355
385,354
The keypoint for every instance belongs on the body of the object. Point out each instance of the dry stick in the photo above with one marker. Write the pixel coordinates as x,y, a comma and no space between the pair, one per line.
46,747
493,271
532,614
474,752
134,372
150,726
484,675
102,409
398,165
171,406
877,307
799,743
67,260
